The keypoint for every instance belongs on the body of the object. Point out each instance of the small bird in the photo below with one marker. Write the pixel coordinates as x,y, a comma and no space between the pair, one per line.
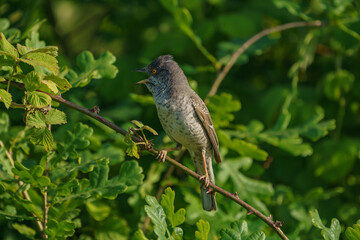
185,119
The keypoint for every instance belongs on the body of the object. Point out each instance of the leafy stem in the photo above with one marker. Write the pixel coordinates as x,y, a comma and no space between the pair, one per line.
12,75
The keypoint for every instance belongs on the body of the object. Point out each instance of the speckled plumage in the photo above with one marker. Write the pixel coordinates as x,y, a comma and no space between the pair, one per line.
184,117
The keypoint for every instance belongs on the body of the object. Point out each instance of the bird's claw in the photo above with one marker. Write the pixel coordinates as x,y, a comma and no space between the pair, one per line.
162,155
206,180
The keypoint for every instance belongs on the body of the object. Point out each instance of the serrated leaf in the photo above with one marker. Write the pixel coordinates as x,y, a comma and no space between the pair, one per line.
55,116
203,229
43,137
22,49
48,87
130,174
5,97
32,81
36,59
24,230
93,69
7,47
137,123
61,229
132,150
38,99
222,107
36,119
51,50
33,41
157,216
167,201
61,83
332,233
150,130
352,233
31,176
74,140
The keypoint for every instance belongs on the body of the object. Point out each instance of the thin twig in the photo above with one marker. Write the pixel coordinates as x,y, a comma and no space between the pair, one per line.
46,205
250,42
234,197
21,183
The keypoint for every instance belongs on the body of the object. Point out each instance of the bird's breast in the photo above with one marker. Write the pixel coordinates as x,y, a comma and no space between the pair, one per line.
179,120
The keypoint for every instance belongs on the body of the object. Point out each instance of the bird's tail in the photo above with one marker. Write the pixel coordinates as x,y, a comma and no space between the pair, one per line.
208,199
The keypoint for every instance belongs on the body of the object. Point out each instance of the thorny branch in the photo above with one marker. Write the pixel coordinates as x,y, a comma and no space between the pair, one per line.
273,224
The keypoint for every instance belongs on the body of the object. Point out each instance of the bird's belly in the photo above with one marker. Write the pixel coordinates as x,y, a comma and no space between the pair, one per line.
183,126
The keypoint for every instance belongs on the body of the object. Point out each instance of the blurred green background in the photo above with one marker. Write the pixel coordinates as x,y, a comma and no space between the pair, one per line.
275,112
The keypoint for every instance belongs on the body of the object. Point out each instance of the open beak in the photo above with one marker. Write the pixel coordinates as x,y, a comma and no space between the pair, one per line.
142,81
141,70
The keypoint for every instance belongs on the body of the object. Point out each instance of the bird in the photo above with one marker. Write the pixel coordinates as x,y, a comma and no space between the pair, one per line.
185,119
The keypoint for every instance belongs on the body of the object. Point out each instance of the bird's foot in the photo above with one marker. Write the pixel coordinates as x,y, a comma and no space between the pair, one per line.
162,155
206,180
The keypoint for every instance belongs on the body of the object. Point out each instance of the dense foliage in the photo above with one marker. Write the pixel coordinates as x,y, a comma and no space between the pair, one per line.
287,117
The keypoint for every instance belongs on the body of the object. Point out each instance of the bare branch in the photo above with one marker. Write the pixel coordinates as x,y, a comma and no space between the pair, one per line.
250,42
273,224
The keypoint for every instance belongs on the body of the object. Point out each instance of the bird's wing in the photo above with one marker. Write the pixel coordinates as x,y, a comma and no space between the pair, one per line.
205,118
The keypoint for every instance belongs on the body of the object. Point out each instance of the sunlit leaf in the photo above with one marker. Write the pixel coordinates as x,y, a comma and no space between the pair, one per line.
203,229
32,81
167,202
38,99
36,119
157,216
5,97
55,116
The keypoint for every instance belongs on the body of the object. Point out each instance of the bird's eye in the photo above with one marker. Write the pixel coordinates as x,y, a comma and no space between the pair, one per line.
154,71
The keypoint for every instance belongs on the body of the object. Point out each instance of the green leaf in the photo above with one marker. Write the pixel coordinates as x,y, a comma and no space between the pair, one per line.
139,235
203,229
22,49
144,100
221,107
32,81
239,230
43,137
36,59
352,233
61,229
137,123
55,116
5,97
150,130
24,230
93,69
48,87
248,149
130,174
167,202
4,24
98,210
31,176
6,47
132,150
157,216
113,228
338,83
256,236
38,99
36,119
77,139
4,122
60,82
332,233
